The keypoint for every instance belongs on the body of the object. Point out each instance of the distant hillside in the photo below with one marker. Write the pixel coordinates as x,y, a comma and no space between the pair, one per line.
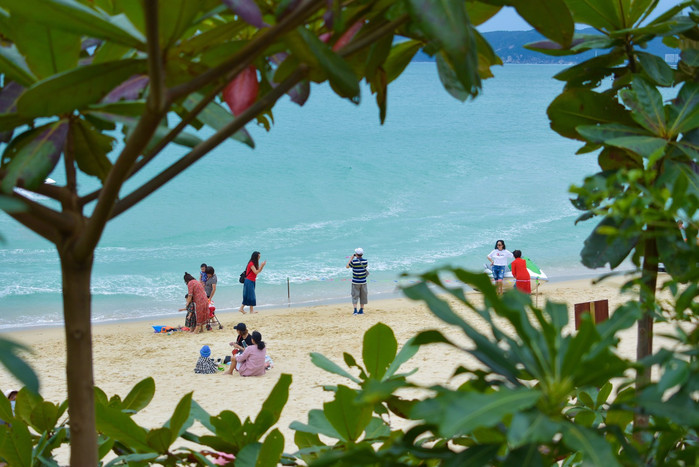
509,46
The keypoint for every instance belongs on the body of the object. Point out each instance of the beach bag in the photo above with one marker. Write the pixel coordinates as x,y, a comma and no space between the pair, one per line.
242,278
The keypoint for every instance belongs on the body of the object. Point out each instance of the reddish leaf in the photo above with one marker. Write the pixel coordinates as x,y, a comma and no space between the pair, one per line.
240,93
348,35
325,37
129,90
248,12
8,104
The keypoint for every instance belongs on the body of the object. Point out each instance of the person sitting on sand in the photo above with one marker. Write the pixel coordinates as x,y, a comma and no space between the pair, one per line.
252,361
205,366
521,273
243,340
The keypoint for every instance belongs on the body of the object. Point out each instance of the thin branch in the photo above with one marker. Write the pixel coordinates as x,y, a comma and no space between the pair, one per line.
205,146
227,70
373,36
38,226
56,193
246,55
69,163
156,95
142,134
45,218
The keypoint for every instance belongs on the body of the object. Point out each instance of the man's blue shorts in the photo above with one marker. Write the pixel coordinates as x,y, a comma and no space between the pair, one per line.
498,273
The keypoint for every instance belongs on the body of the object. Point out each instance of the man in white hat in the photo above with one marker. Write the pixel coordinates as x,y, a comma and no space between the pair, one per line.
359,275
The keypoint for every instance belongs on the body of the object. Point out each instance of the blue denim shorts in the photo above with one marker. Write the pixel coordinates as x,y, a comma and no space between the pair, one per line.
498,273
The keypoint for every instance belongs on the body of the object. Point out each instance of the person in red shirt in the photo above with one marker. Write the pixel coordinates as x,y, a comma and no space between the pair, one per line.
520,273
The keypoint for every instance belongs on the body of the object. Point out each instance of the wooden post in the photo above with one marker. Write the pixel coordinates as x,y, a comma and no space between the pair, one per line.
288,292
598,310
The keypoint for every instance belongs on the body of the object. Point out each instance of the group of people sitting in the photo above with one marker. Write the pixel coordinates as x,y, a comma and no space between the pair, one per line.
249,355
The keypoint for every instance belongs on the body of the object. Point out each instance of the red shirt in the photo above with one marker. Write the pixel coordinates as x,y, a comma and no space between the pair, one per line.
249,273
520,272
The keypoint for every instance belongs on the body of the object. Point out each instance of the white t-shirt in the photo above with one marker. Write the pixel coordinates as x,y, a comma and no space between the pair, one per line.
500,257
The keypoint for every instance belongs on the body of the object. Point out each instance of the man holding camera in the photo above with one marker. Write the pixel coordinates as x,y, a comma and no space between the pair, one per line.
359,275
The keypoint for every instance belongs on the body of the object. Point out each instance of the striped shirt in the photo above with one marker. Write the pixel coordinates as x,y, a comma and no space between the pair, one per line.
359,272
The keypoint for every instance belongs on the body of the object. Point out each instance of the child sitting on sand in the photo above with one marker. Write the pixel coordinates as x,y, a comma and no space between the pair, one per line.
205,365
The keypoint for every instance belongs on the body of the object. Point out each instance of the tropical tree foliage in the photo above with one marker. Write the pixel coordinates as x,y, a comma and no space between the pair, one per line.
82,77
101,87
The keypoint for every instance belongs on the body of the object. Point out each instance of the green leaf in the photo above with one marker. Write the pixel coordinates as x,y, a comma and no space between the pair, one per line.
90,149
44,417
527,427
449,80
621,136
379,349
479,12
72,16
140,396
407,352
247,457
686,109
178,422
347,417
603,394
48,51
601,249
550,17
6,413
216,117
174,18
77,88
601,14
119,425
317,424
456,413
16,445
577,107
272,449
342,78
447,22
127,459
13,65
656,68
595,449
37,157
16,366
160,439
274,404
399,58
646,105
322,362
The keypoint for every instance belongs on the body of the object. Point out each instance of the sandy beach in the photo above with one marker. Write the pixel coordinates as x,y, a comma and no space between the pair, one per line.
127,352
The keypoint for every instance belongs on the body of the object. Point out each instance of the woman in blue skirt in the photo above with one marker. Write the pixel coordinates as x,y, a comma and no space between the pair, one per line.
251,271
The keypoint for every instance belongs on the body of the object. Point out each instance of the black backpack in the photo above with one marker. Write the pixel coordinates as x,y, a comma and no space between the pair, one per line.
242,277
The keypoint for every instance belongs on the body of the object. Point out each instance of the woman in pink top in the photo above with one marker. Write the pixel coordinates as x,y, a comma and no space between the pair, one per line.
252,361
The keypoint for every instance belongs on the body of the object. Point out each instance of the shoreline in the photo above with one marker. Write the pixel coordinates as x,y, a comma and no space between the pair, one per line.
179,316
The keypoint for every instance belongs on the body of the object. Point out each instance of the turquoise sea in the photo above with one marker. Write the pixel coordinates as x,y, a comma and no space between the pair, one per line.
437,184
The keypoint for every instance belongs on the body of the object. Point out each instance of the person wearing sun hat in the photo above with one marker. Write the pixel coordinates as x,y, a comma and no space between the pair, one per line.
359,274
205,365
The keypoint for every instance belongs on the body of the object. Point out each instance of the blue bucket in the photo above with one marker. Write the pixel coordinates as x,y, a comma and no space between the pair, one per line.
158,328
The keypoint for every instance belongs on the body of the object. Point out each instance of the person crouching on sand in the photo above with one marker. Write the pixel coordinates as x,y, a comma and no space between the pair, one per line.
205,366
252,361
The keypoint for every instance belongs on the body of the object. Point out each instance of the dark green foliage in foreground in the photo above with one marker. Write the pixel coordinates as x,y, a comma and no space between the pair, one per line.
538,396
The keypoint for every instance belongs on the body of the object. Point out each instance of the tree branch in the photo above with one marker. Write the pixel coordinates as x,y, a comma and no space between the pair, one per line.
38,226
205,146
142,134
44,221
247,54
373,36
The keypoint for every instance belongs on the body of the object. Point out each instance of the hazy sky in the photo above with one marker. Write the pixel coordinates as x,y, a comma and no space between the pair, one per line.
507,19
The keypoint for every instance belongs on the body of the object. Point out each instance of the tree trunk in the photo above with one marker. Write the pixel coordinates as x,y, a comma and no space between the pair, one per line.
81,400
644,346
